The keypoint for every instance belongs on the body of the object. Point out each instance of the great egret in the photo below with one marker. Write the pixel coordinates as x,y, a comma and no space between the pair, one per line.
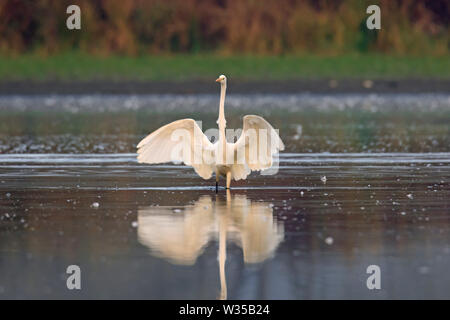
253,151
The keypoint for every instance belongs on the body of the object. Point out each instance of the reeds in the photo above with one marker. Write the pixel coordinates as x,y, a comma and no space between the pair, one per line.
133,27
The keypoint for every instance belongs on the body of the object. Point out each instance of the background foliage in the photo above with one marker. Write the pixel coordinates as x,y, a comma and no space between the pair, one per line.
262,27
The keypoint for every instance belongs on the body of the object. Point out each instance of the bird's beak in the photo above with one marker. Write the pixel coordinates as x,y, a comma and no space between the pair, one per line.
218,80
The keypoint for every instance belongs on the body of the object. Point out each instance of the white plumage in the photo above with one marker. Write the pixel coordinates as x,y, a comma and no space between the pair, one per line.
183,141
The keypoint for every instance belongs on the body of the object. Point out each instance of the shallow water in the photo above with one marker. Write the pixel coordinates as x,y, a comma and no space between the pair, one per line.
71,192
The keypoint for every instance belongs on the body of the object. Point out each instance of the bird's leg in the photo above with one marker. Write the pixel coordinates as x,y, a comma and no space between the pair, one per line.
217,182
228,179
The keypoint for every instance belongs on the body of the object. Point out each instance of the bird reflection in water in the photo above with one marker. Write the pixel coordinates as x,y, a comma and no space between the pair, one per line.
180,235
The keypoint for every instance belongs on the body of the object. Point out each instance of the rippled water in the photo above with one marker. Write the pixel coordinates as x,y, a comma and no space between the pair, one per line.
308,123
365,180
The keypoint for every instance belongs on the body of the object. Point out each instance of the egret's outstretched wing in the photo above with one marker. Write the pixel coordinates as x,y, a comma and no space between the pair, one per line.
258,143
179,141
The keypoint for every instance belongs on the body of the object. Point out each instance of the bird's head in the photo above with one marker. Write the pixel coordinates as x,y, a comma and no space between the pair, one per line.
222,79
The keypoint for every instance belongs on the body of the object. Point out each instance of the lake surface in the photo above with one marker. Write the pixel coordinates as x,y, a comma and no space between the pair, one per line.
364,180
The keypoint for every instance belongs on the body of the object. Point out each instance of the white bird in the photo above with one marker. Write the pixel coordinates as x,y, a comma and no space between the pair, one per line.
255,149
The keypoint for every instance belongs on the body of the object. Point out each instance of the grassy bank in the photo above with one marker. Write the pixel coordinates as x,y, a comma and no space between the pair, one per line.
77,66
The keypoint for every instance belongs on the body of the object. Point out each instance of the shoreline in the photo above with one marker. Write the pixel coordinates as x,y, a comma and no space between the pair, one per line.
323,86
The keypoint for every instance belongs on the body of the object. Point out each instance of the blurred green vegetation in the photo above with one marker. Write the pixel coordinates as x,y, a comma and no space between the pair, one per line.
81,66
188,39
257,27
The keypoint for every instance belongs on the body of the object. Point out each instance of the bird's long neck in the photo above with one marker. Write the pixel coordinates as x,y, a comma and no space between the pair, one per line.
221,121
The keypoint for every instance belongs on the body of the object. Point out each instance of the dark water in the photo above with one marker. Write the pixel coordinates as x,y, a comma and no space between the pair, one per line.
365,180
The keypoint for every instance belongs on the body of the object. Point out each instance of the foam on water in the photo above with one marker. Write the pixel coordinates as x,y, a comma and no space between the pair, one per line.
304,158
202,102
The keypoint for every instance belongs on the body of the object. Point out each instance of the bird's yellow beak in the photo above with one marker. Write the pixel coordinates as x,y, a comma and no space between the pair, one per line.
218,80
